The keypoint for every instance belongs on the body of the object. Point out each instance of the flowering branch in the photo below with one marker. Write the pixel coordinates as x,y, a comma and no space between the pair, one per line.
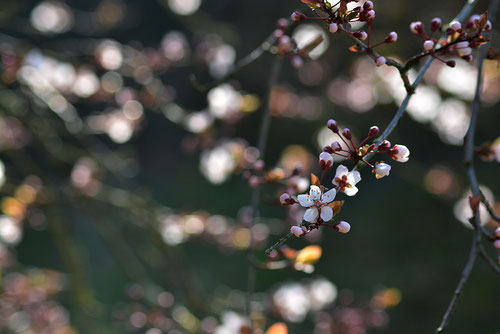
476,247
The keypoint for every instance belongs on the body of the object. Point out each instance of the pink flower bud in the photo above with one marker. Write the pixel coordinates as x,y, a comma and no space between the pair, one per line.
325,160
258,165
373,132
333,27
370,15
496,244
380,61
297,231
400,153
342,227
497,232
428,45
368,5
332,125
392,37
435,24
286,199
384,145
467,58
381,169
473,21
456,26
336,146
347,134
297,17
328,149
451,63
416,27
361,35
487,27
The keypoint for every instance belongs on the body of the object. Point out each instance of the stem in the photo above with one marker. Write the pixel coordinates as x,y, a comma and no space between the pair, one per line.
278,243
261,146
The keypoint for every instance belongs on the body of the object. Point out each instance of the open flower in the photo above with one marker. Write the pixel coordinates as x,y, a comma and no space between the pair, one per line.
346,181
317,203
381,169
400,153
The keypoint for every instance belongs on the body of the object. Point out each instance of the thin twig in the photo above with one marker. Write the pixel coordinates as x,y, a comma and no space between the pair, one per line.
261,146
488,260
242,63
489,208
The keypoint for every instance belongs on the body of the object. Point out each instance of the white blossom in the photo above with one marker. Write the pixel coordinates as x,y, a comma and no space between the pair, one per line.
346,181
317,203
401,154
382,169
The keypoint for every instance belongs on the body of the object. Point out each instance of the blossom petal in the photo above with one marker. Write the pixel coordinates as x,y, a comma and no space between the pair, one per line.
351,191
328,196
311,215
305,200
357,176
341,170
315,193
326,213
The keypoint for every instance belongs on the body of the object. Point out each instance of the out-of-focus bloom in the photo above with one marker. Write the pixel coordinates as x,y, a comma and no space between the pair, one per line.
382,169
346,181
400,153
317,203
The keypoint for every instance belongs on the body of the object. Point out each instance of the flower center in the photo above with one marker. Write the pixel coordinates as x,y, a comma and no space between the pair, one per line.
342,183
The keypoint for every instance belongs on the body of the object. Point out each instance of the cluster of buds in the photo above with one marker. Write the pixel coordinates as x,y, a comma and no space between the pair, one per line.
286,46
358,153
339,18
460,39
489,151
258,175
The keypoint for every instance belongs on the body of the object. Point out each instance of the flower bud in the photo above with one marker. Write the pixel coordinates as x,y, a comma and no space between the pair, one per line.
333,27
286,199
428,45
497,232
451,63
258,165
332,125
361,35
368,5
384,145
467,58
496,244
380,61
473,21
347,134
342,227
456,26
297,17
297,231
416,27
381,169
435,24
400,153
370,15
336,146
325,160
487,27
328,149
373,132
392,37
